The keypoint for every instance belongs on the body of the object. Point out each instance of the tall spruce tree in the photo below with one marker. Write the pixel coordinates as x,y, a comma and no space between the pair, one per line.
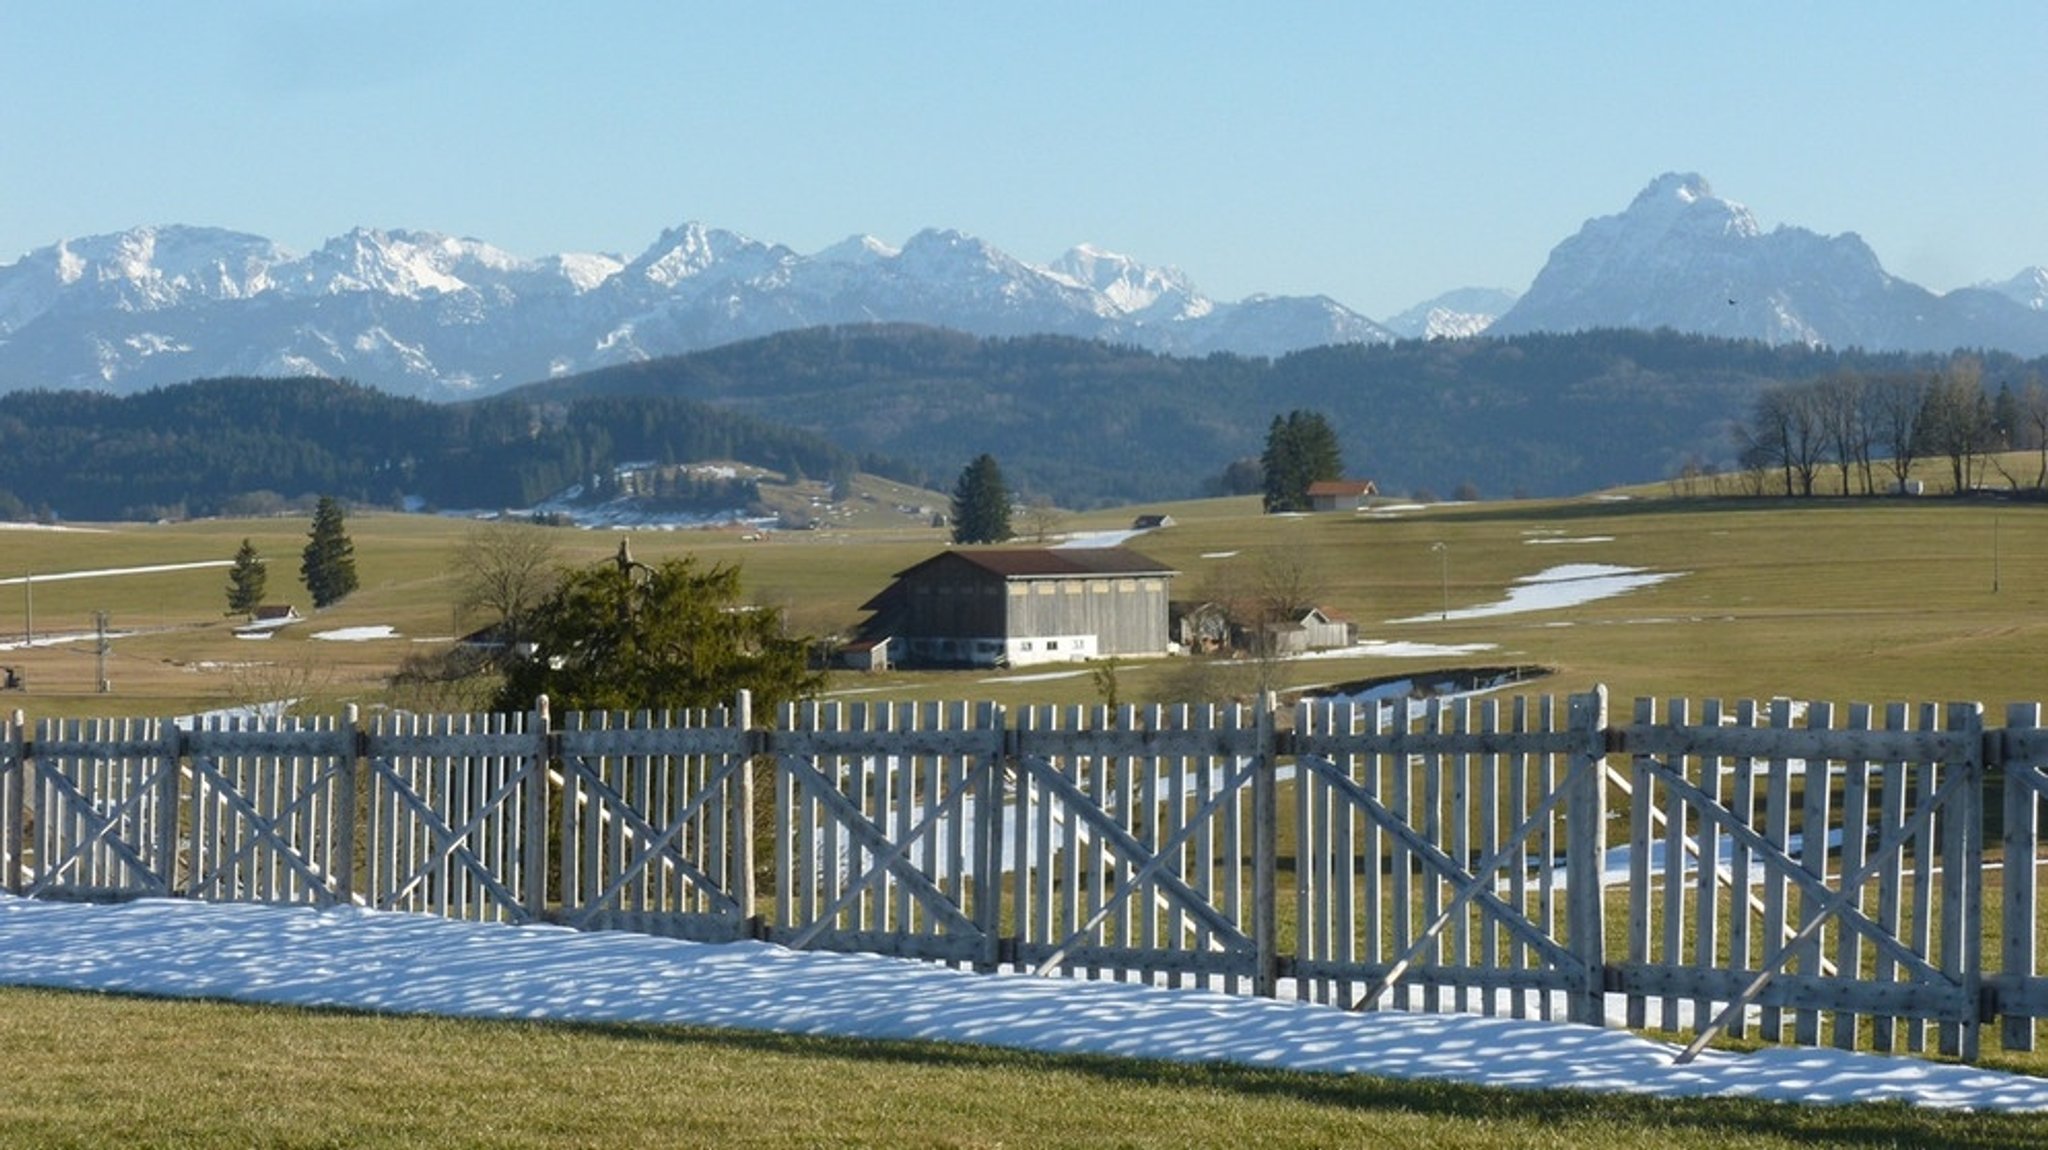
981,503
329,563
247,580
1300,449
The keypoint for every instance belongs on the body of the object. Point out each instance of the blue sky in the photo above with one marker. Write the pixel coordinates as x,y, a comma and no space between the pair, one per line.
1376,153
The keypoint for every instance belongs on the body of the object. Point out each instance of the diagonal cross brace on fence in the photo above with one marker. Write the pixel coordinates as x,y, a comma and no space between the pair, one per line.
653,843
264,829
101,830
1810,884
1136,854
448,840
1473,885
876,842
1837,905
948,806
1227,936
1471,888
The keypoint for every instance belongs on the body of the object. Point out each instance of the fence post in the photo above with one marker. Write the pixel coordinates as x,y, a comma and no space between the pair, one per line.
535,816
1265,852
2017,965
352,770
1962,942
1586,855
13,784
987,858
741,852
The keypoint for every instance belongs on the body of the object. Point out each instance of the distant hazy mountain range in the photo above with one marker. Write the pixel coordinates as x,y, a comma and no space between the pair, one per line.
430,315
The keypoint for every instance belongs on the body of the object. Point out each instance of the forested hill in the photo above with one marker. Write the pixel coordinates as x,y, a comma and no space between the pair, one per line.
1087,423
1082,423
236,444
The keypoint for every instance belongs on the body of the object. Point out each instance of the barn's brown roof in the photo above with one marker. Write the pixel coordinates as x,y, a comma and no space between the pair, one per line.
1031,562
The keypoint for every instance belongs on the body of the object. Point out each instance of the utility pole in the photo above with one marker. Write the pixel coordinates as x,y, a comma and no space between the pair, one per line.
100,620
28,594
1443,577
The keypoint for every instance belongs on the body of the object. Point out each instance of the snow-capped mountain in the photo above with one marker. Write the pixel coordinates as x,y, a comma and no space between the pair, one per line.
429,314
2029,288
1682,257
1454,314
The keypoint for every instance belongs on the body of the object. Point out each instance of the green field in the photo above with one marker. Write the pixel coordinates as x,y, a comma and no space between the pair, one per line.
1849,600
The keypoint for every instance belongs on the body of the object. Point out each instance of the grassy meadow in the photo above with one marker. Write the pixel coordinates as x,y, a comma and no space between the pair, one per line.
1849,600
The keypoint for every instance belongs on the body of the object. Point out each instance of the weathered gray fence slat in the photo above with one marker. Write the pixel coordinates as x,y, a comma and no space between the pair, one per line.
13,766
454,832
2023,991
270,815
652,809
1125,859
874,835
104,793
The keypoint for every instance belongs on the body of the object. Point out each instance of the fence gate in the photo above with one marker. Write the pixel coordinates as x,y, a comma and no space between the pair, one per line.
1804,874
886,827
458,816
656,824
272,811
1129,844
1448,861
104,796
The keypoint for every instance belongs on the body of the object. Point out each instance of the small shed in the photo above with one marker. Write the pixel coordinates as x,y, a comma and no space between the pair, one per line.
1340,494
1313,630
268,618
1151,522
866,654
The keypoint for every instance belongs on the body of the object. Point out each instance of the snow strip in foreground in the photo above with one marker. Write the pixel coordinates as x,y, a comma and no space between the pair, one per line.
403,963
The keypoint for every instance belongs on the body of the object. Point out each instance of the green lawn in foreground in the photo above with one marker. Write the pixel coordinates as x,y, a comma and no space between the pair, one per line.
99,1071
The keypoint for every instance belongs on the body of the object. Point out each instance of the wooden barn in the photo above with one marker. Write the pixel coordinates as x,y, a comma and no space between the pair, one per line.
1018,606
1340,494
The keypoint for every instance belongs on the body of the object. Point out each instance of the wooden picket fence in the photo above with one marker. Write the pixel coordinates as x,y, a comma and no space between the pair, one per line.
1809,874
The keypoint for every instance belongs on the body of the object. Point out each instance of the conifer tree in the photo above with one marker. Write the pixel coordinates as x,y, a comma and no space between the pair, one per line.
247,580
1300,449
628,636
329,563
981,503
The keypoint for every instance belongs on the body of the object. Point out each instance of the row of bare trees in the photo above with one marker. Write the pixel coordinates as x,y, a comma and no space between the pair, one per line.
1864,427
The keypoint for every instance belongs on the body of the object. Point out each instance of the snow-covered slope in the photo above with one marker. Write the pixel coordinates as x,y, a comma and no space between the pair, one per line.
1684,258
430,314
1454,314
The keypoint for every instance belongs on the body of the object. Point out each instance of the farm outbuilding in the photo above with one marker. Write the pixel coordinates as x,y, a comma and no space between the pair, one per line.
1018,606
1340,494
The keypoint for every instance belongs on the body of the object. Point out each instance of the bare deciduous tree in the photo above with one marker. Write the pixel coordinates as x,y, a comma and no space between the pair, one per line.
502,571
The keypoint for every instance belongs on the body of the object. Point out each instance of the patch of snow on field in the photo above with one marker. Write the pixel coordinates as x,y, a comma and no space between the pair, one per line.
1569,585
354,959
358,634
107,572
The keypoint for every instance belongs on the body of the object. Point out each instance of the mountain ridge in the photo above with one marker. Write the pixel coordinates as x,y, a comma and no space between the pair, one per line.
443,317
